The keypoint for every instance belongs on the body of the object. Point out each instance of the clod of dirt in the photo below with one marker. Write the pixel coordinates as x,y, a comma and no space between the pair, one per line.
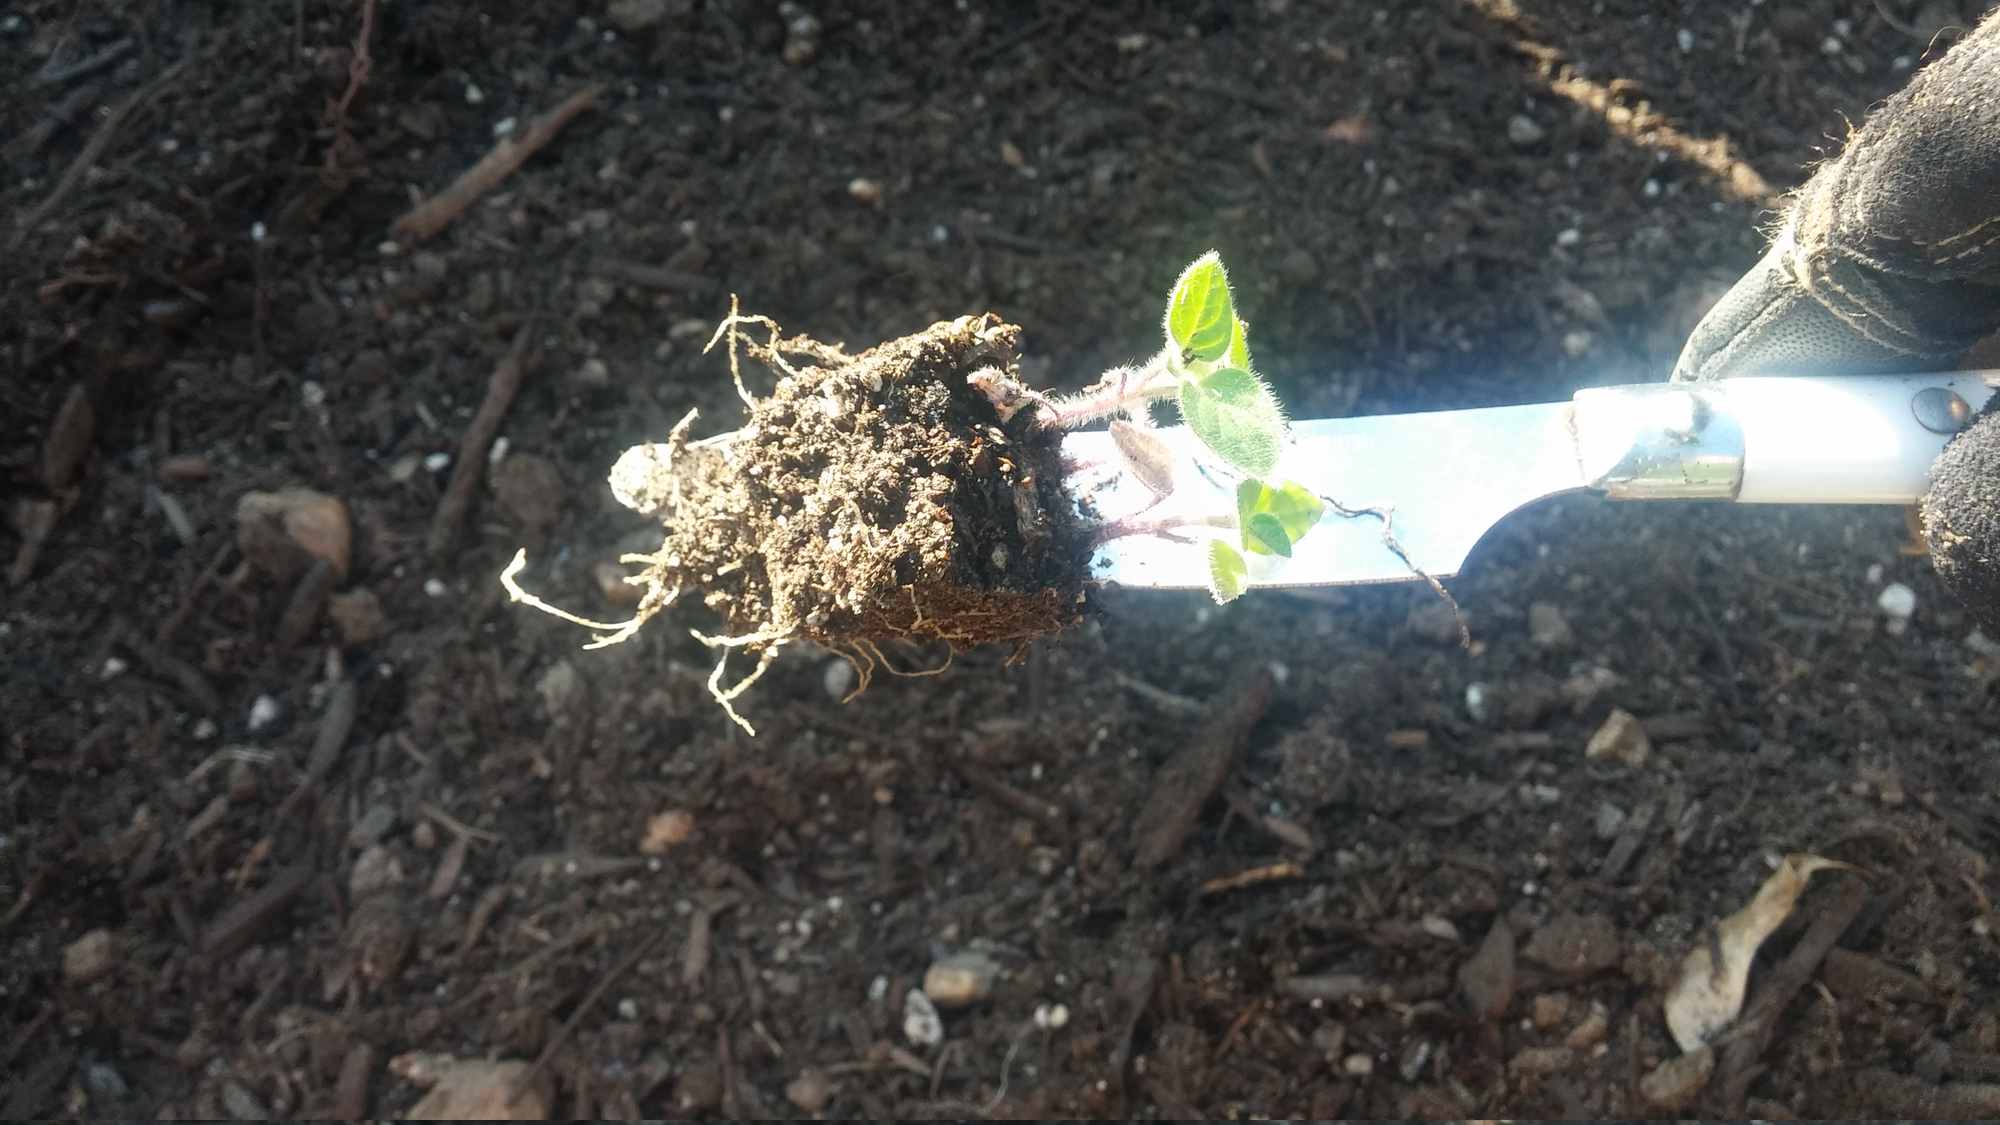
1576,943
1487,979
313,522
868,499
357,616
530,490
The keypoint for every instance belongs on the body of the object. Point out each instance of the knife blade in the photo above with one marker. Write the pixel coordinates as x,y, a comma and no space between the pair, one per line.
1441,480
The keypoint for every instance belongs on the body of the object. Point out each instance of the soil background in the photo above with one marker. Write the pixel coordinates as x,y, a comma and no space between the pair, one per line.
300,850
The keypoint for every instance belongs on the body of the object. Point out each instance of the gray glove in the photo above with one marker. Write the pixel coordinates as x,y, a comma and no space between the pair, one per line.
1889,260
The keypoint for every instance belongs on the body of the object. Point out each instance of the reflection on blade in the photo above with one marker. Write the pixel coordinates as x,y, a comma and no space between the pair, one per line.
1445,478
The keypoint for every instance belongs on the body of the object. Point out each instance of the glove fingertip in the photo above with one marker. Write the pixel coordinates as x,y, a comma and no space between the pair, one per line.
1961,519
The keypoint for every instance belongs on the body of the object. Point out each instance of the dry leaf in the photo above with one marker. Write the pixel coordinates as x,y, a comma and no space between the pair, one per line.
1145,455
1708,993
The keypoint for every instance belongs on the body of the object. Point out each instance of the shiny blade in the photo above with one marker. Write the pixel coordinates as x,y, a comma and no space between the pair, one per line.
1443,478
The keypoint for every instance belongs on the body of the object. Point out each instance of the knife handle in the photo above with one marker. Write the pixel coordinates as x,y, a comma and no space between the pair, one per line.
1857,439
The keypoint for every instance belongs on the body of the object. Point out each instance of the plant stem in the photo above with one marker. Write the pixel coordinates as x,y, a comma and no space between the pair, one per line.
1121,390
1163,526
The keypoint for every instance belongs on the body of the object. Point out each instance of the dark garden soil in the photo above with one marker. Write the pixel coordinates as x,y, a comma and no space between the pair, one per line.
283,830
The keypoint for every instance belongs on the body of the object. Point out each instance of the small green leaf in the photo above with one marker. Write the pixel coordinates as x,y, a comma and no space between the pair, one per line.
1227,572
1239,343
1265,535
1295,509
1236,416
1200,318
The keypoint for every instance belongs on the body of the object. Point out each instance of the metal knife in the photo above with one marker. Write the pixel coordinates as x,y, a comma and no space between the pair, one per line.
1446,478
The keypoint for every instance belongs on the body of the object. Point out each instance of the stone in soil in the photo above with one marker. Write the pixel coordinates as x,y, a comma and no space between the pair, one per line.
1622,738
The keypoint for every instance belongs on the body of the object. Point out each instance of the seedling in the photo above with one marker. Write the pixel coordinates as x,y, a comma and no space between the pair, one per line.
911,500
1204,368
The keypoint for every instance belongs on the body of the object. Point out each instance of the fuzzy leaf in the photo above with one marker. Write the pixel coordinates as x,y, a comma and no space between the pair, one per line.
1200,318
1227,572
1263,534
1236,416
1145,455
1239,344
1295,509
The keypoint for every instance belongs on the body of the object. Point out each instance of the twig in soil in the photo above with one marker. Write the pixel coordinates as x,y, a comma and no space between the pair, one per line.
437,212
458,827
501,388
240,923
52,75
1193,775
1269,873
163,663
1387,516
589,1001
93,150
1753,1030
328,740
1027,804
341,149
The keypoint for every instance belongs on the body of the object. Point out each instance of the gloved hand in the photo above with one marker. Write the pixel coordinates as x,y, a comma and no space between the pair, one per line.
1889,260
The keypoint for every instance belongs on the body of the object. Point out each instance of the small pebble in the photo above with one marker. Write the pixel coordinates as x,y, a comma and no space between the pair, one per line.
1608,819
1684,39
104,1083
1596,1025
90,956
437,462
435,588
864,190
836,676
264,711
1622,738
921,1025
1541,1061
374,824
1897,603
1523,130
960,980
810,1091
1358,1065
1477,697
377,869
665,831
1548,1010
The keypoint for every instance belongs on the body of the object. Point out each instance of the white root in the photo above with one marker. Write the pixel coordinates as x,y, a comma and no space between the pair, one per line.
657,598
728,327
726,697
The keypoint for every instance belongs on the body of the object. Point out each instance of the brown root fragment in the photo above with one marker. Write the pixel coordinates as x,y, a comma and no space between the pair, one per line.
437,212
